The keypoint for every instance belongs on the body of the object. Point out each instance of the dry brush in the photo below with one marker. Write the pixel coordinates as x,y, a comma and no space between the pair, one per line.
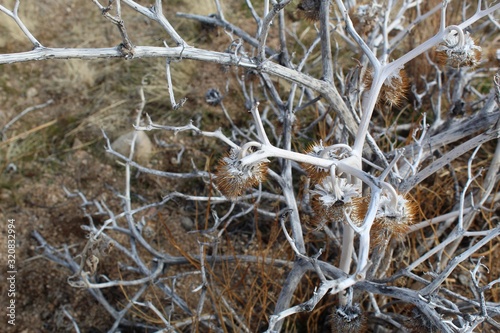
342,164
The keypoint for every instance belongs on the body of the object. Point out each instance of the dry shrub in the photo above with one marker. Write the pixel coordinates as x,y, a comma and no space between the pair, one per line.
230,275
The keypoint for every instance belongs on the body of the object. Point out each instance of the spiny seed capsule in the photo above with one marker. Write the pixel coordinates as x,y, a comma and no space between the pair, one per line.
309,9
332,197
335,152
359,208
348,319
316,173
394,89
392,220
233,178
451,53
365,17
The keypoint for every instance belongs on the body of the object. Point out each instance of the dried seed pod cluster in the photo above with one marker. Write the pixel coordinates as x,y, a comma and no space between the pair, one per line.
393,219
317,149
359,208
316,173
394,89
309,9
348,319
233,178
332,197
365,17
451,52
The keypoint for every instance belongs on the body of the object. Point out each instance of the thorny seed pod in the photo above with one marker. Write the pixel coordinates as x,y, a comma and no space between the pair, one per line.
359,208
393,219
233,178
365,17
451,53
394,89
213,97
316,173
348,319
331,197
309,9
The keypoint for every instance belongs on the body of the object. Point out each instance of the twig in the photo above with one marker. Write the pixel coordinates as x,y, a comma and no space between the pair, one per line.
126,46
22,114
15,16
73,321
